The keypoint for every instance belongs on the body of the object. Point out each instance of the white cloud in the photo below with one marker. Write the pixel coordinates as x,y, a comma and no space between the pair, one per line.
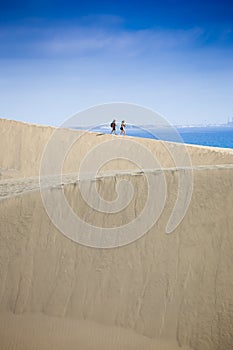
81,40
71,39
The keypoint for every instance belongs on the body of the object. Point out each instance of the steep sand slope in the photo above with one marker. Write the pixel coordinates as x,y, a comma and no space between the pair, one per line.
159,292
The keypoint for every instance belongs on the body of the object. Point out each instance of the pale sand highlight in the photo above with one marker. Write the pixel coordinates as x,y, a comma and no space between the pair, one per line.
160,292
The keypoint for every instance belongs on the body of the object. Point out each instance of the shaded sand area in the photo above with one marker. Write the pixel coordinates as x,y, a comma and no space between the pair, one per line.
162,291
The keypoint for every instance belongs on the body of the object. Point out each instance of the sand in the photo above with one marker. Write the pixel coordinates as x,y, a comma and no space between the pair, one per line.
159,292
44,332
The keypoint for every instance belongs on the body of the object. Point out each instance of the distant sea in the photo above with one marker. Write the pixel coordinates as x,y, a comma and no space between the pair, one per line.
214,136
208,136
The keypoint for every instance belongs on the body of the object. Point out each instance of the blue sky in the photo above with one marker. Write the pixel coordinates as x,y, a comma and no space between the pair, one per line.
59,57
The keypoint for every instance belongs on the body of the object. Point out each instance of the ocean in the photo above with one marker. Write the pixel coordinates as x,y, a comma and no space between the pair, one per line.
208,136
214,136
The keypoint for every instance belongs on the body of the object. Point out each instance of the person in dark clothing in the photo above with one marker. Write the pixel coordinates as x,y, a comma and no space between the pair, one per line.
122,128
113,126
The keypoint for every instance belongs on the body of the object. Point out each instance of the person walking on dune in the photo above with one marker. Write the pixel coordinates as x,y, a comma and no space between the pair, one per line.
113,126
122,128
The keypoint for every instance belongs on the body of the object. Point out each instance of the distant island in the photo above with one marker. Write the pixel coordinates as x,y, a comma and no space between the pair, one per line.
228,124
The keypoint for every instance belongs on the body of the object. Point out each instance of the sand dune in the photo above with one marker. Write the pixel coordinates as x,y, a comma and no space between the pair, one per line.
159,292
23,146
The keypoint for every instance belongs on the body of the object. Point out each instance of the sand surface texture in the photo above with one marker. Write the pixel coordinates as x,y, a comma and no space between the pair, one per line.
162,291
